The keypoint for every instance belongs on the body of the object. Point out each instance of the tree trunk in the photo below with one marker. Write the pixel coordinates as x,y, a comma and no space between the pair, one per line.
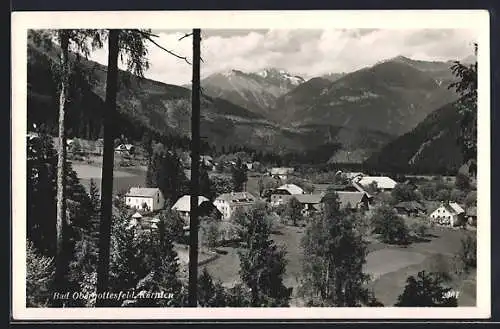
107,166
61,259
195,163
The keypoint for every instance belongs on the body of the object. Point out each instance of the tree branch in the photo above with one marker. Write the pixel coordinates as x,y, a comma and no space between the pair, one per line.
185,36
168,51
148,36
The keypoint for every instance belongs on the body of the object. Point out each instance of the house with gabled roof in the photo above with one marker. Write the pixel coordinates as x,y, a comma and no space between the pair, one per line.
449,214
409,208
227,203
282,194
383,183
205,207
281,172
353,200
146,198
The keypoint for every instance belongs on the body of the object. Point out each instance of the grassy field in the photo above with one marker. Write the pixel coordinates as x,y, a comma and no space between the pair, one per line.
388,265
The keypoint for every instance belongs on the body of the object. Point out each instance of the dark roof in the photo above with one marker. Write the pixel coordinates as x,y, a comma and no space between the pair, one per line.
309,198
410,205
350,198
149,192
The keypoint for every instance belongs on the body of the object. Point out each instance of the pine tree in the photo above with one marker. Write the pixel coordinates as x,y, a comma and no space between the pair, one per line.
334,254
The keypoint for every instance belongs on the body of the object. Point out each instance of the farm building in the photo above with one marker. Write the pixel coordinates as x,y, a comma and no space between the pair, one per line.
145,198
448,213
281,172
227,203
310,202
291,189
410,208
353,175
205,207
353,200
383,183
352,187
282,194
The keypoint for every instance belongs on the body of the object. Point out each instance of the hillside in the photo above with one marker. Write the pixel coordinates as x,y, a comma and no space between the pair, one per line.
143,105
146,105
391,96
256,91
431,146
299,98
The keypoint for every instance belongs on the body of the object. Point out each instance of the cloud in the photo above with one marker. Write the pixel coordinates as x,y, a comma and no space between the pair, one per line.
308,52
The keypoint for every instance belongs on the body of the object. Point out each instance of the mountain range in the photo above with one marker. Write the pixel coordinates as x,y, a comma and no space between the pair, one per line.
256,91
270,110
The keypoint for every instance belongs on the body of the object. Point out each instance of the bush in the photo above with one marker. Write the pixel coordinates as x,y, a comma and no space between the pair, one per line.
390,226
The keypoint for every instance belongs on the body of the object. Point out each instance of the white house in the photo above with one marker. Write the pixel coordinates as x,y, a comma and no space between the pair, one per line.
291,188
281,172
228,202
448,213
183,207
383,183
145,198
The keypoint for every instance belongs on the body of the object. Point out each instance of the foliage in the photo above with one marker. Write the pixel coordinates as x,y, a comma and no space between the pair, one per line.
221,184
239,176
248,221
471,199
466,87
390,226
293,211
403,192
334,254
165,172
142,261
86,248
462,182
41,211
426,290
262,262
39,277
210,293
468,252
205,187
211,233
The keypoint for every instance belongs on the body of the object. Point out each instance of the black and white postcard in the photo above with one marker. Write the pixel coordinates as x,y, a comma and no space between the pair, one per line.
251,165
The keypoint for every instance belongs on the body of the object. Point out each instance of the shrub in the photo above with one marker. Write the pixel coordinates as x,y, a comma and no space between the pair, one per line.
390,226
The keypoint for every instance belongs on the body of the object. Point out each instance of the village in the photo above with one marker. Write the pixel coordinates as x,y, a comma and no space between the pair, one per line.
435,210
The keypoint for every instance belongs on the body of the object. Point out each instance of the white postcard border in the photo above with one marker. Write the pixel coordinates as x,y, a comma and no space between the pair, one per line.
22,21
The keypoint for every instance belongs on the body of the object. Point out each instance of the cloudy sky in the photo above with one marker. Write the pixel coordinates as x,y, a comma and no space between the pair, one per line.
305,52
